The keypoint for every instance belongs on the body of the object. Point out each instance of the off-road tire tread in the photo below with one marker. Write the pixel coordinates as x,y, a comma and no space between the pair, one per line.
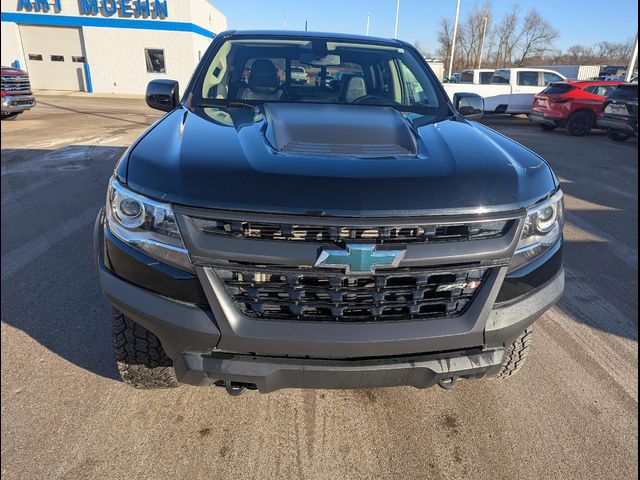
141,360
516,354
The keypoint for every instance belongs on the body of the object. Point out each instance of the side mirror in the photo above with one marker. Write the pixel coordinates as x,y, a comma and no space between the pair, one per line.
162,95
469,105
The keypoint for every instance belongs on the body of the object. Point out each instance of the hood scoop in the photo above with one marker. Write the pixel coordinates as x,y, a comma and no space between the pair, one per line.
347,130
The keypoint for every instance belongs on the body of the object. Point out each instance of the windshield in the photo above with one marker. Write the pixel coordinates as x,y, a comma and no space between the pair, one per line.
304,70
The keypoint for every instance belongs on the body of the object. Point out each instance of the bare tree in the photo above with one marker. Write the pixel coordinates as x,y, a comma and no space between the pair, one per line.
603,53
505,37
469,36
421,49
536,37
445,40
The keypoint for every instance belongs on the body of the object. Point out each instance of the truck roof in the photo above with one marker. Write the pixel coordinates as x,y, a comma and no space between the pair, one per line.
528,69
480,70
319,35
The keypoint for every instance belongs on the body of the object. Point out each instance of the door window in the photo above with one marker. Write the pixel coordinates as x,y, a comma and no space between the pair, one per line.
528,79
602,90
466,77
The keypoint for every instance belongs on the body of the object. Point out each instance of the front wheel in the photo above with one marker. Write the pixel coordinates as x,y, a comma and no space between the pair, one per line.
141,360
516,354
617,136
580,123
10,116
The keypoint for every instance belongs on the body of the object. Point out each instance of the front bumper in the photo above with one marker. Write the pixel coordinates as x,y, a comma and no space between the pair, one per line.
191,336
624,125
539,117
17,103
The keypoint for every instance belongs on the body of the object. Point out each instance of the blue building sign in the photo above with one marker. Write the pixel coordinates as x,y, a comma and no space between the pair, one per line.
106,8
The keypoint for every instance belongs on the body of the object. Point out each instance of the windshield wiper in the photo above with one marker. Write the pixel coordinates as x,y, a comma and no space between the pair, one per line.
227,105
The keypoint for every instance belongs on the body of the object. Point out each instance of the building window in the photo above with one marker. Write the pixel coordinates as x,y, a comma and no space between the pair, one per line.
78,59
35,56
155,60
57,58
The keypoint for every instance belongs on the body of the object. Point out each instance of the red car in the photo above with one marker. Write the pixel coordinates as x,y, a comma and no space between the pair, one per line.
572,104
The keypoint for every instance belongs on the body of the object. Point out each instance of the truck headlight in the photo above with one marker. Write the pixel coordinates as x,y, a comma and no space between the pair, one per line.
542,229
145,224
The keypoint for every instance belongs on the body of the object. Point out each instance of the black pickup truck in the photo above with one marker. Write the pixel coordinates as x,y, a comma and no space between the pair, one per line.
363,232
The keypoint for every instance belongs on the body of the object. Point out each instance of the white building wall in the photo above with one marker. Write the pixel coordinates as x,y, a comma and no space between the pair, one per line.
116,55
10,44
117,62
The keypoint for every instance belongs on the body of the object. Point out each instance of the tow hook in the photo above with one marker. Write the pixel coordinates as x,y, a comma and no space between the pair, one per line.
234,389
448,383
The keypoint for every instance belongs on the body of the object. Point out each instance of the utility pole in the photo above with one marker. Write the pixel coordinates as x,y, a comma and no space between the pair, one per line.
484,32
368,22
453,43
306,25
395,34
632,61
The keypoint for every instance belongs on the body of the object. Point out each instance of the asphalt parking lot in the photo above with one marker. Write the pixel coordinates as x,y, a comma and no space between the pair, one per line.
572,413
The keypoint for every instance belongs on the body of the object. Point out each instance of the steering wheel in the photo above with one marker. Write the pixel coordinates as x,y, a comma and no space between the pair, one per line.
374,99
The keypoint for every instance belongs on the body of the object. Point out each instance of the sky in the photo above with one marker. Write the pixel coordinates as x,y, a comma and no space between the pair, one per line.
584,22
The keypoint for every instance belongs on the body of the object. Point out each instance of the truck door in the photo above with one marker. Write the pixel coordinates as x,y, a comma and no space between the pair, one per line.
525,86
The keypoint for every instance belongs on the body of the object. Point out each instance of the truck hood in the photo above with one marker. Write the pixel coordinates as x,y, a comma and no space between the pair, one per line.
332,160
12,72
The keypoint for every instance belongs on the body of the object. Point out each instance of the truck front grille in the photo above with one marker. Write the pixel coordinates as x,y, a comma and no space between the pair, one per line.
418,233
16,84
301,294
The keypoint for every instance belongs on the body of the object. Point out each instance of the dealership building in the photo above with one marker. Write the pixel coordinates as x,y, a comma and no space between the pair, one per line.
107,46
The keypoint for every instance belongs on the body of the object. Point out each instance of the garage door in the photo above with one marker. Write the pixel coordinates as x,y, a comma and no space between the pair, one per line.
55,57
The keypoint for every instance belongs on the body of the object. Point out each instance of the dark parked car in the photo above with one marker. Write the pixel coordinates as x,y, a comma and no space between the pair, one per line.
264,235
620,112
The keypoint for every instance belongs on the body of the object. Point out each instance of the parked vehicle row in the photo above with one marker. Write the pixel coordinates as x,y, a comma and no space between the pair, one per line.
581,106
511,90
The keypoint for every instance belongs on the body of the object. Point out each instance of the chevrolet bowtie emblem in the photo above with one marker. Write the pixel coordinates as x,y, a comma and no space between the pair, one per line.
359,258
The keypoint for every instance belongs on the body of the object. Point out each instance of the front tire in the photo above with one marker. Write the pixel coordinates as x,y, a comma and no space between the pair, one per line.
10,116
580,123
516,354
141,360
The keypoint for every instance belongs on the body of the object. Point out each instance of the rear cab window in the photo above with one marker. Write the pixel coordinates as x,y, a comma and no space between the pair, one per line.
500,77
466,77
